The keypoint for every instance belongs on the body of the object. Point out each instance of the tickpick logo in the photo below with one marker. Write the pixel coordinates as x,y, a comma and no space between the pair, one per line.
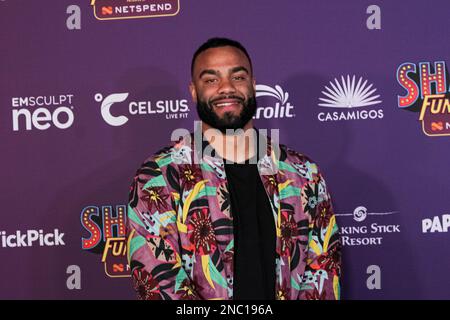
282,109
349,94
172,109
32,237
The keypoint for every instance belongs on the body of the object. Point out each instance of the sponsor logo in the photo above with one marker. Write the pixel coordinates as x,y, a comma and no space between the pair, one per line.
281,109
366,234
172,109
107,237
42,112
373,282
436,224
32,238
349,95
427,92
73,281
128,9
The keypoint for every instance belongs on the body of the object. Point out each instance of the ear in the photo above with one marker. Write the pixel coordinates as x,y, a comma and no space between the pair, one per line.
193,92
254,84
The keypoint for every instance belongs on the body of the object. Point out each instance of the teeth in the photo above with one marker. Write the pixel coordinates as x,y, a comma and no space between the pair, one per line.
225,104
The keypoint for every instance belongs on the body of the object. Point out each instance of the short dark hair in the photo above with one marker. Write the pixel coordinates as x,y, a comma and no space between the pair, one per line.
217,43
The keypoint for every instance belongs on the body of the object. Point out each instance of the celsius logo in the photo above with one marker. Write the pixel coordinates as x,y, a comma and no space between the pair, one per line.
172,109
351,95
365,235
41,112
436,224
282,109
107,236
32,237
427,91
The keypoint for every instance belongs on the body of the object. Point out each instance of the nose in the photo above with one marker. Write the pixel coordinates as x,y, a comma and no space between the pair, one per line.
226,87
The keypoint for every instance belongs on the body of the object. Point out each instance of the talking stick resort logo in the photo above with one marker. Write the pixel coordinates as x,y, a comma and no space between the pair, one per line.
128,9
362,233
427,93
350,95
107,237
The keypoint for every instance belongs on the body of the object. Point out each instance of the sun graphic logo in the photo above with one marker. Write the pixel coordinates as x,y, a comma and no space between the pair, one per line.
282,109
349,93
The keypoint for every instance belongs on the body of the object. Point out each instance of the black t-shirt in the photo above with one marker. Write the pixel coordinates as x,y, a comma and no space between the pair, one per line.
254,234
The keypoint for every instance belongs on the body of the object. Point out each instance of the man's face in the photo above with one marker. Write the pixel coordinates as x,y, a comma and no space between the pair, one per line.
223,88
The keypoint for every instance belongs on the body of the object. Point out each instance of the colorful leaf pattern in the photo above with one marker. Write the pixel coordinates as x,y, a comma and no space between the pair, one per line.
181,228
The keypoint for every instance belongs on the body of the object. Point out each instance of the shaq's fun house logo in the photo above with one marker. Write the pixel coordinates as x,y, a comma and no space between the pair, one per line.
427,93
127,9
351,96
107,237
171,109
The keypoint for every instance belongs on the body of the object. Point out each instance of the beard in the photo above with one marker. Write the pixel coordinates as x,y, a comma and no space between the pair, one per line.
229,120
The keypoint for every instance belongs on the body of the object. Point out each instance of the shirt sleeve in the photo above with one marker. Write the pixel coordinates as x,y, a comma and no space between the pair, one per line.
154,250
323,269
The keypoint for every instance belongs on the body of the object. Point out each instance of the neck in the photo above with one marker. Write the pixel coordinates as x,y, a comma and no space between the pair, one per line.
236,148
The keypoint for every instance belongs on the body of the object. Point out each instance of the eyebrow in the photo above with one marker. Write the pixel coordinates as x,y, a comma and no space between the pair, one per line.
208,71
215,73
240,68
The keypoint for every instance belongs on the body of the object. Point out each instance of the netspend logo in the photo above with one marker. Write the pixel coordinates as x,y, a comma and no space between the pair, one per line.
129,9
170,108
32,238
106,108
349,93
282,108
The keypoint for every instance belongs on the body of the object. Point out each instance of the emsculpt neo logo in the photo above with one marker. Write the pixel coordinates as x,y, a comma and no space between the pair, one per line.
32,238
42,112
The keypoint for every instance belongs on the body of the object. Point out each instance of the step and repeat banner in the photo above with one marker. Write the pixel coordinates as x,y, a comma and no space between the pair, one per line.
89,89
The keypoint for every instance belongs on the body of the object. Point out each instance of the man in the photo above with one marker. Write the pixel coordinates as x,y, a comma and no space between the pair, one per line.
235,216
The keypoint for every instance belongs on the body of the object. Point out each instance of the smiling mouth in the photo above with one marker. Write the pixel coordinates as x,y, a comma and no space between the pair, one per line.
224,104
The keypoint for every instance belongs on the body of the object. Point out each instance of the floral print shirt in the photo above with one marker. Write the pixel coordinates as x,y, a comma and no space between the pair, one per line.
180,227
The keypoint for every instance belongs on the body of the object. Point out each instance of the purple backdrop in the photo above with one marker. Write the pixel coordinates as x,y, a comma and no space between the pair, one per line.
68,158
